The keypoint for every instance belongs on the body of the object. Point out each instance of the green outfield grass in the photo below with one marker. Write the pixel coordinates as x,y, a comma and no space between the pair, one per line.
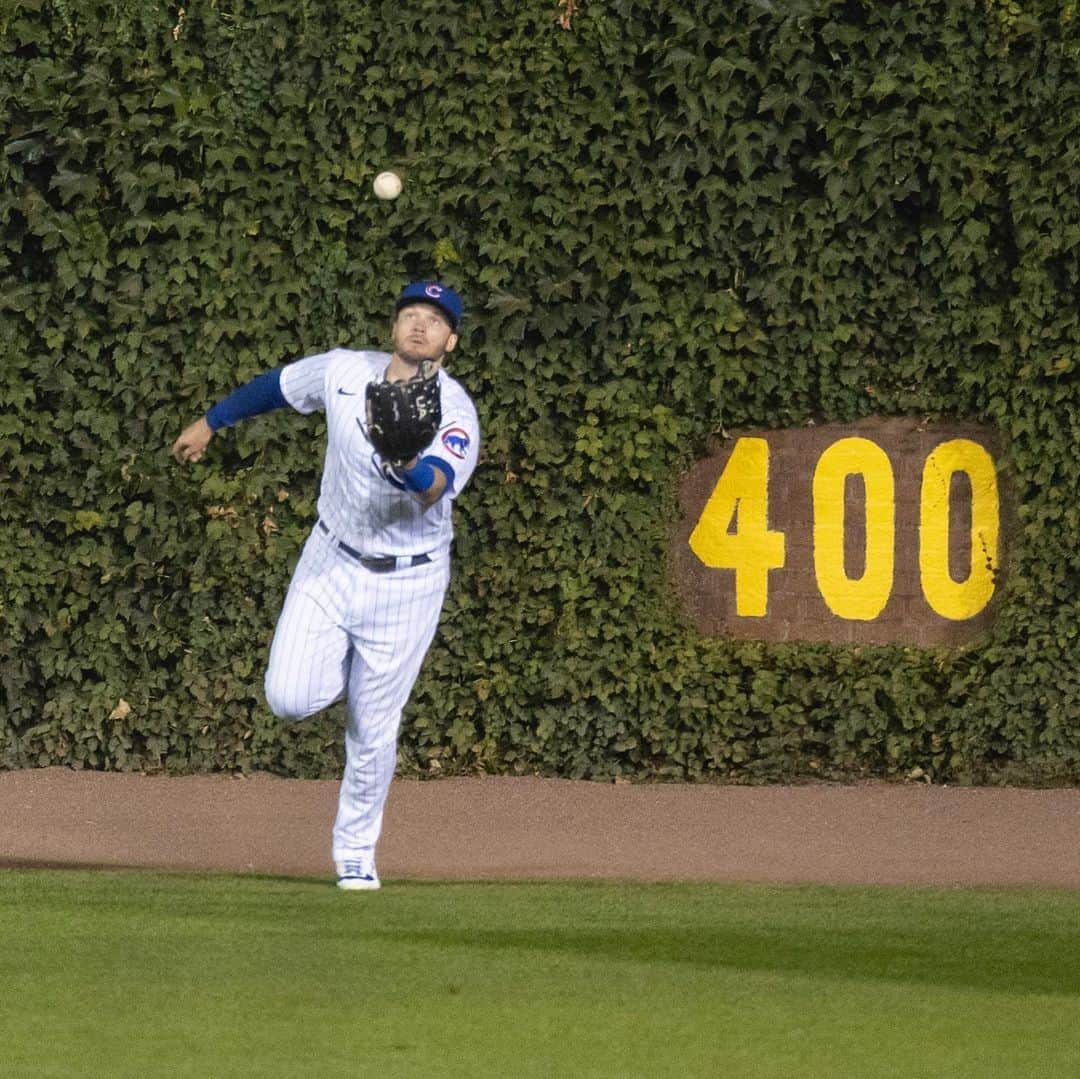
131,974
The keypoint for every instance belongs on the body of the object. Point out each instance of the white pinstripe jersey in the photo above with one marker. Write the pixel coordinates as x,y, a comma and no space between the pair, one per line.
361,504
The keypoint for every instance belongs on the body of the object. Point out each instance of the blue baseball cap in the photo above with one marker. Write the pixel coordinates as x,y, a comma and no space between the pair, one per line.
442,296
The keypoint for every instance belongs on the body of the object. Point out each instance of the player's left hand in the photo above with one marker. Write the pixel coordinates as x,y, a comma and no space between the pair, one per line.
193,440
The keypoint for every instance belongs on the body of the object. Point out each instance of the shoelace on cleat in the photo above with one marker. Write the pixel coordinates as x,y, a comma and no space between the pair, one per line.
358,869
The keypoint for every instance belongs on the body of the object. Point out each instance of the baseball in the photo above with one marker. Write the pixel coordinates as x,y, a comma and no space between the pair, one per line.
387,185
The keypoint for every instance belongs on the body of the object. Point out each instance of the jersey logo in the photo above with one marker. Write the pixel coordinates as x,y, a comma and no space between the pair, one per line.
346,393
456,440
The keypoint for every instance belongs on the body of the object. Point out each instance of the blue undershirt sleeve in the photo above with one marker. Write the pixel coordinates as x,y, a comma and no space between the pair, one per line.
261,394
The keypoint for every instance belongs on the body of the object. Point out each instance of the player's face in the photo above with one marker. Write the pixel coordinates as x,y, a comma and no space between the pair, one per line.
422,332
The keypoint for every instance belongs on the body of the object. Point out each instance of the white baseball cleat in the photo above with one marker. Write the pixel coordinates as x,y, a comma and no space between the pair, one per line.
357,876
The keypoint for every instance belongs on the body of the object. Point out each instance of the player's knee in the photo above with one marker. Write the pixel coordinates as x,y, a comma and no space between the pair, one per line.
368,734
287,700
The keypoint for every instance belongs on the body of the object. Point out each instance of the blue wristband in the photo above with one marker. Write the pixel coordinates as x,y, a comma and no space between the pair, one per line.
421,476
261,394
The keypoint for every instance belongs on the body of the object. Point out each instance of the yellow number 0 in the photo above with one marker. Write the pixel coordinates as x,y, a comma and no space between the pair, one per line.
958,599
857,598
742,492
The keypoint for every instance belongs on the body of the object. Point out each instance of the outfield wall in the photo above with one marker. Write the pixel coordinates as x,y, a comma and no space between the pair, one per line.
674,228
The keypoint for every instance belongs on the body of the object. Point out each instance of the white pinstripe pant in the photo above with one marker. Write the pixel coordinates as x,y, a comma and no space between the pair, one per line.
346,631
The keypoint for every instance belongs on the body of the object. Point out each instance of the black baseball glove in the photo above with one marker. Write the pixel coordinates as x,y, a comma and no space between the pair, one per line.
403,417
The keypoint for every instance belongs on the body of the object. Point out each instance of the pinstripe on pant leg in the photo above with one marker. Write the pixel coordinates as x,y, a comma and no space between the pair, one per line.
397,615
309,657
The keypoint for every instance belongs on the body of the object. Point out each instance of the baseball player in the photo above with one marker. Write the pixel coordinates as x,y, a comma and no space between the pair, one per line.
364,601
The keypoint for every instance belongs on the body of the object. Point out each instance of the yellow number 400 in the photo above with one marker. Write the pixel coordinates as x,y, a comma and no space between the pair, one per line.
741,496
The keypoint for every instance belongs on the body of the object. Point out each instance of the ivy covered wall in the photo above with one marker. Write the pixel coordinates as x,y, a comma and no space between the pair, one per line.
670,222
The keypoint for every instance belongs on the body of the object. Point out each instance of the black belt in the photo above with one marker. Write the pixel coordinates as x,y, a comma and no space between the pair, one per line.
382,564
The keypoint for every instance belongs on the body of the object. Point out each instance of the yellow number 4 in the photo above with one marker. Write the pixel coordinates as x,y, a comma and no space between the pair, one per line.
742,494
